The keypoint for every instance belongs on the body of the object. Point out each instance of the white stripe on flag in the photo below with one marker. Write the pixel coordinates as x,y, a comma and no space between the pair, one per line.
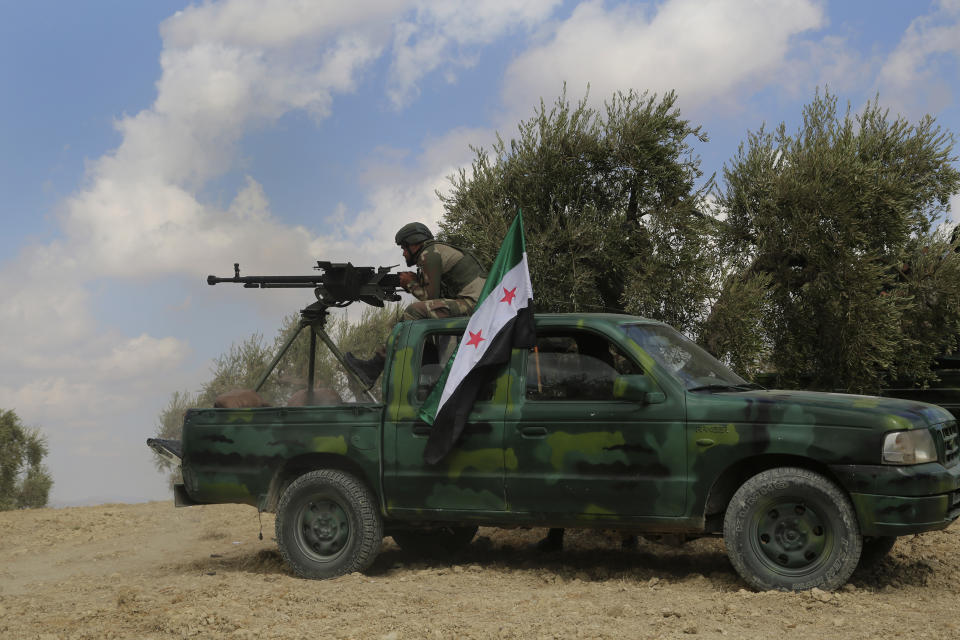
500,306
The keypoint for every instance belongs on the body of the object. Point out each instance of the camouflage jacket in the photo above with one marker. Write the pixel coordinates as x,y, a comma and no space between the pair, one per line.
443,271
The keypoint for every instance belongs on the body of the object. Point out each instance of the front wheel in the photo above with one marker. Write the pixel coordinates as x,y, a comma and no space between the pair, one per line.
792,529
328,525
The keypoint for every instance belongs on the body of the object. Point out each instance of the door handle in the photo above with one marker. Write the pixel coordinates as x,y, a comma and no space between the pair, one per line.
533,432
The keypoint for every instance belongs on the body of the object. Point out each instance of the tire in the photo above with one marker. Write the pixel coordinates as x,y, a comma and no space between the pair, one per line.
792,529
875,549
438,541
328,525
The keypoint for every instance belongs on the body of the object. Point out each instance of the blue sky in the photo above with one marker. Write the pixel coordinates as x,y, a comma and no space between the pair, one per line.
144,145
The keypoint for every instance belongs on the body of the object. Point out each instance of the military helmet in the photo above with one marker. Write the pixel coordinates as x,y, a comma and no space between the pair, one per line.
413,233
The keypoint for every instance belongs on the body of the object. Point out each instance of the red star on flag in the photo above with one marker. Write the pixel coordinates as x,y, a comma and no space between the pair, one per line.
475,338
508,296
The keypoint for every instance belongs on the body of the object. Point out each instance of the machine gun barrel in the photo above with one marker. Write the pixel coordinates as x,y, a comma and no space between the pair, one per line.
337,284
271,282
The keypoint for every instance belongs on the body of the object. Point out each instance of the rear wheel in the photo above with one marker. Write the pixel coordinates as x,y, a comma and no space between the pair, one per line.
444,540
328,525
792,529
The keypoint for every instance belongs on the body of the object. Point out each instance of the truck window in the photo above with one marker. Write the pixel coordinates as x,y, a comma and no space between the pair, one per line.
681,356
435,350
575,366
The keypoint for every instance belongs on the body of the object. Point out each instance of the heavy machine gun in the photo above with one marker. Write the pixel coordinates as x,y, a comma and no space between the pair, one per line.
336,285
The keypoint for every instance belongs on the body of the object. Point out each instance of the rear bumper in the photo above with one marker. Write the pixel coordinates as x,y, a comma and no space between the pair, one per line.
897,501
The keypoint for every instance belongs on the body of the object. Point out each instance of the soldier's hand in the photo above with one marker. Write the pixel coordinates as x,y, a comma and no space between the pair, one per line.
406,277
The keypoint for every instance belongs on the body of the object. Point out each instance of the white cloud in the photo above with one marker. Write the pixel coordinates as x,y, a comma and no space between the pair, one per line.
277,24
129,357
829,62
141,215
919,75
44,310
440,32
401,191
228,68
705,50
61,400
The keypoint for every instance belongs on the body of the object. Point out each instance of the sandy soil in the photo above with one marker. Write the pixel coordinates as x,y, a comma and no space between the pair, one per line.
153,571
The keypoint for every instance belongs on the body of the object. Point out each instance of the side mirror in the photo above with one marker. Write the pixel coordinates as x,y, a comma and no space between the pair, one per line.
637,388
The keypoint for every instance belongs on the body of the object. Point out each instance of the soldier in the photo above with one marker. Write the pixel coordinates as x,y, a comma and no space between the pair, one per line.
447,283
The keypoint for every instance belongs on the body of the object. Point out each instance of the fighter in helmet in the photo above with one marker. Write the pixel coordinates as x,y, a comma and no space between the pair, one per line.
447,283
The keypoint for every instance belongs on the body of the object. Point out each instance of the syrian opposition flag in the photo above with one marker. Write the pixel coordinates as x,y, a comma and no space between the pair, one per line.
502,320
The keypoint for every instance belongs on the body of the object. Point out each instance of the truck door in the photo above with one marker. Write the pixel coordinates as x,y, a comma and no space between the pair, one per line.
579,449
470,478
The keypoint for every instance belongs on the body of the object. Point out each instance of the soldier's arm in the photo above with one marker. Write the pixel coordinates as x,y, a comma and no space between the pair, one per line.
427,287
406,278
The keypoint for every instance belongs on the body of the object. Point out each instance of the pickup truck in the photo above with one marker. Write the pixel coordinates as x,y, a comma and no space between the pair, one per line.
612,421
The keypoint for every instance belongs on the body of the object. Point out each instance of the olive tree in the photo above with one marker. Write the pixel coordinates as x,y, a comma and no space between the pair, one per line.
840,274
613,218
24,479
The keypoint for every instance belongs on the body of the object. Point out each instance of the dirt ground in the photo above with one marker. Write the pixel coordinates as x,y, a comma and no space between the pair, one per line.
153,571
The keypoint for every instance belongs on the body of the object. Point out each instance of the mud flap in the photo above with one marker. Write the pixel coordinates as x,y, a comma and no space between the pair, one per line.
181,498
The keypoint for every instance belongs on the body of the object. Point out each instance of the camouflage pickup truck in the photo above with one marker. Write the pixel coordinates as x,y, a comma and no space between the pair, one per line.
611,422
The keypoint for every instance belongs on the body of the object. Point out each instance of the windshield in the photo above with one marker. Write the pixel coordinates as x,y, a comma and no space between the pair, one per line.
697,369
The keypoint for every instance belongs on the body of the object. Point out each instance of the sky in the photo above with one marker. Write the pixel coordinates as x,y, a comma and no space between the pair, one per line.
145,145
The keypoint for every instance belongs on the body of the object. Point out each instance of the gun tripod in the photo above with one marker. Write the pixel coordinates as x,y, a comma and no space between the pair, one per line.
315,317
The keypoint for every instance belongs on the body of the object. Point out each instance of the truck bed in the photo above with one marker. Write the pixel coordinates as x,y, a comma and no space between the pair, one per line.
235,455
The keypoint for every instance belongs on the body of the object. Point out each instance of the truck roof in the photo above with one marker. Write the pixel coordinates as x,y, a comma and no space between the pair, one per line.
571,319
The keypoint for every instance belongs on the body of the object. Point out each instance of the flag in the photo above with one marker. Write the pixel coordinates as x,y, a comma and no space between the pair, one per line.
502,320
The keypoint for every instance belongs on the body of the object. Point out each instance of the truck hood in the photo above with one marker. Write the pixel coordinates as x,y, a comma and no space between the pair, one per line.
815,408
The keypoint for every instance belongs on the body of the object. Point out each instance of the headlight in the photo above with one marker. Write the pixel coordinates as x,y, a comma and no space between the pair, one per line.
909,447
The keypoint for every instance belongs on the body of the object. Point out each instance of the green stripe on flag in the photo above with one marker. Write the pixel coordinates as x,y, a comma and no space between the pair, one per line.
511,253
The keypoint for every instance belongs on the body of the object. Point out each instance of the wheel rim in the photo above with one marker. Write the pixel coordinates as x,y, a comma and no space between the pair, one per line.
323,529
791,537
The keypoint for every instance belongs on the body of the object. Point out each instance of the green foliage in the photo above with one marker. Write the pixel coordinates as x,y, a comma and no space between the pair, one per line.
369,331
24,480
612,218
837,218
170,422
240,368
930,324
734,330
364,336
